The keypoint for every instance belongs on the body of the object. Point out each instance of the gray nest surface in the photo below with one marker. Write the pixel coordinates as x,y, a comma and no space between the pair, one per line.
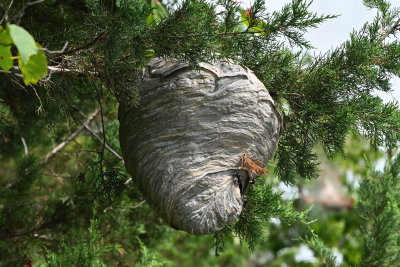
183,142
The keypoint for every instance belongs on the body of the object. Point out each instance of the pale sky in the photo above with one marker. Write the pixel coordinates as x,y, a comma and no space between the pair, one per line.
335,31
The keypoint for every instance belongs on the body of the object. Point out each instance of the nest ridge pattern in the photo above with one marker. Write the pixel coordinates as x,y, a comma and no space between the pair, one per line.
184,143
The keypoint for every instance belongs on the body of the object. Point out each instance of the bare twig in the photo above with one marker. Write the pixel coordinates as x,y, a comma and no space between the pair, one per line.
58,69
43,237
25,146
52,70
128,181
392,30
138,205
69,139
22,233
5,14
11,72
56,51
40,100
90,130
22,11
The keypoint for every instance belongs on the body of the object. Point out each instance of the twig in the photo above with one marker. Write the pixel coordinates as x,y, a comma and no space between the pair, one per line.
11,72
40,100
43,237
128,181
218,34
25,146
56,51
21,12
87,45
90,130
58,69
69,139
391,31
124,209
41,227
99,100
138,205
5,14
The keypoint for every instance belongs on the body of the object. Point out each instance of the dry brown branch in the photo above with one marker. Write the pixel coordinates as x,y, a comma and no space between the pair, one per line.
252,166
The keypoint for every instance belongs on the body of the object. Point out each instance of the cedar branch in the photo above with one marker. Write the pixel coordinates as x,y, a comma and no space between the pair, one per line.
64,143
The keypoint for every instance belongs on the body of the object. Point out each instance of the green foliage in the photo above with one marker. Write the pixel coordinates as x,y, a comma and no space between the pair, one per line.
291,22
378,208
80,204
327,98
158,12
324,254
83,251
31,59
262,205
35,68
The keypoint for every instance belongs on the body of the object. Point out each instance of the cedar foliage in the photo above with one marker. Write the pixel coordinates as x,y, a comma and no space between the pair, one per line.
79,206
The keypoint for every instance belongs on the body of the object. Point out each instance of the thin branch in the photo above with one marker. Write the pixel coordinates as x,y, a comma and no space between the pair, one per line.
138,205
128,181
56,51
85,46
43,237
60,146
11,72
218,34
5,14
25,146
21,13
90,130
392,30
41,227
58,69
40,100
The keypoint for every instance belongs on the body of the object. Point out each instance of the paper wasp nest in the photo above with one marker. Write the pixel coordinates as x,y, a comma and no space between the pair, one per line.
183,143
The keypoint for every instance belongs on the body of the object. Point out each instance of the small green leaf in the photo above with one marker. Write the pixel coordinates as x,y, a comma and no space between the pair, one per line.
23,41
6,61
35,68
158,12
150,19
245,17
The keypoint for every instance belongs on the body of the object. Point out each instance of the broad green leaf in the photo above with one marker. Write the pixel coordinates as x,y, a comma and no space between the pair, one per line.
6,61
5,36
158,12
35,68
23,41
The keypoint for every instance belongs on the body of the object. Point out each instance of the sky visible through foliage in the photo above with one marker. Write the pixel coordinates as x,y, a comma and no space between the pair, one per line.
331,33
